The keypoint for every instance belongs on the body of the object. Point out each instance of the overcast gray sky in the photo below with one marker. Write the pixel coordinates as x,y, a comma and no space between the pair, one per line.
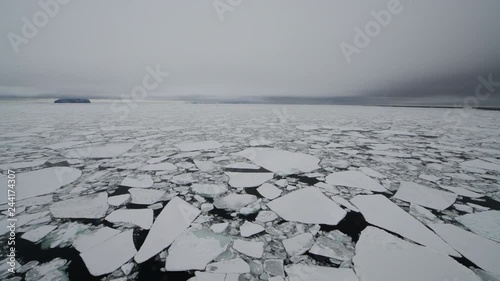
260,48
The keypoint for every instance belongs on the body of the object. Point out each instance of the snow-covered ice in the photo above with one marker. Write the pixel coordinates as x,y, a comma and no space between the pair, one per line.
486,224
142,181
281,162
93,206
355,179
140,217
425,196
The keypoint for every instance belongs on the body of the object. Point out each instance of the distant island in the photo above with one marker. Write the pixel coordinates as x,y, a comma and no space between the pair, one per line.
72,101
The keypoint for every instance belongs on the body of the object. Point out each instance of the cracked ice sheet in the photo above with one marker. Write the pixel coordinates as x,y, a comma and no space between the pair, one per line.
486,224
281,162
175,217
381,256
195,146
355,179
39,182
383,213
425,196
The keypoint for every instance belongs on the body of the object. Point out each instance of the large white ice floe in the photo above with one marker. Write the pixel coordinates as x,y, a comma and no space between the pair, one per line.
381,256
480,164
237,265
301,272
372,173
461,191
248,229
142,181
253,249
209,190
93,206
159,167
140,217
194,249
144,196
90,240
298,244
40,182
109,150
269,191
201,145
205,166
281,162
381,212
111,254
175,217
22,165
234,202
38,233
308,205
425,196
239,180
485,253
486,224
355,179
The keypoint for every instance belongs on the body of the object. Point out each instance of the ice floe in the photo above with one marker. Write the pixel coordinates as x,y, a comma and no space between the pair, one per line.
300,272
159,167
484,252
234,202
90,240
281,162
240,180
109,150
140,217
308,205
480,164
142,181
195,249
248,229
425,196
175,217
381,256
111,254
381,212
92,206
39,182
144,196
298,244
38,233
355,179
486,224
269,191
461,191
253,249
195,146
237,265
209,190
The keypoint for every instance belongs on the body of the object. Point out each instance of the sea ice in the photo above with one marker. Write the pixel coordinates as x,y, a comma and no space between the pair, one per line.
140,217
202,145
159,167
461,191
142,181
486,224
234,202
38,233
308,205
269,191
301,272
355,179
239,180
195,249
109,150
110,254
92,206
175,217
22,165
480,164
90,240
381,256
249,248
298,244
143,196
281,162
425,196
237,265
248,229
118,199
381,212
209,190
483,252
330,248
39,182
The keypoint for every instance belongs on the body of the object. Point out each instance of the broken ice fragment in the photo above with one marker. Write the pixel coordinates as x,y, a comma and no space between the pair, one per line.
248,179
118,199
280,161
89,240
109,150
480,164
141,181
425,196
195,249
381,212
248,229
461,191
92,206
209,190
308,205
299,244
269,191
159,167
140,217
143,196
234,202
355,179
486,224
249,248
38,233
237,265
202,145
301,272
330,248
381,256
39,182
110,254
483,252
175,217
